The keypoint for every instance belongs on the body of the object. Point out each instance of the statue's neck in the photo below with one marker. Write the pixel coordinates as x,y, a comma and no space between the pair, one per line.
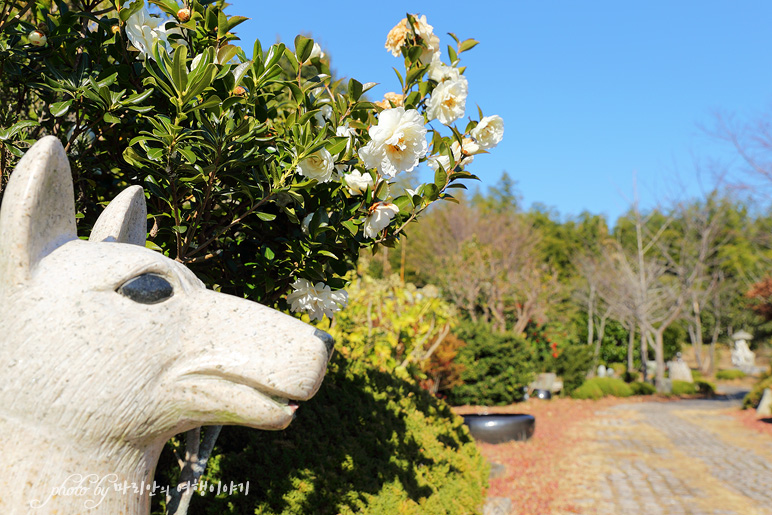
54,475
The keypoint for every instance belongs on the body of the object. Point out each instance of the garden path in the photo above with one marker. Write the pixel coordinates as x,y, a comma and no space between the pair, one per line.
683,457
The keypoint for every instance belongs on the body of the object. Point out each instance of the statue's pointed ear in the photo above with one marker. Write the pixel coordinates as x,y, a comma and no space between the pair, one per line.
38,211
124,220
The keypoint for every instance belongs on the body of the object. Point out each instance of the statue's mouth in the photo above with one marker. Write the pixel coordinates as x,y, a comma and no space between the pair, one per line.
281,399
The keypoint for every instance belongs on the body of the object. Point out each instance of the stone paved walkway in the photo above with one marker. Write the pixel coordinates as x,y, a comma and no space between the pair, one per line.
685,457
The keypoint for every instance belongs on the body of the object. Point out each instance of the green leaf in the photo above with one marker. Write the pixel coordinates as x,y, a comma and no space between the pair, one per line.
266,217
226,53
111,118
382,191
303,48
431,192
354,89
415,74
404,203
180,68
467,45
350,226
399,76
233,21
440,177
58,109
293,62
222,24
336,145
452,54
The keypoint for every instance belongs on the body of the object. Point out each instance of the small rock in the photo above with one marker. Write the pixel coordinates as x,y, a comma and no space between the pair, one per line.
765,405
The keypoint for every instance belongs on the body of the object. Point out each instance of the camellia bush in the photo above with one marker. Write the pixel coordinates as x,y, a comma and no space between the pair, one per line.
263,173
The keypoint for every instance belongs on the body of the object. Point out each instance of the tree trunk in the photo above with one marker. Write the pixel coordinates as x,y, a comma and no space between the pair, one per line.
659,356
631,348
197,455
644,355
695,332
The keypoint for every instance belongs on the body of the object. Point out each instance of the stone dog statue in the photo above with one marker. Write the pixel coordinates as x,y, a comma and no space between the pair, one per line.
107,349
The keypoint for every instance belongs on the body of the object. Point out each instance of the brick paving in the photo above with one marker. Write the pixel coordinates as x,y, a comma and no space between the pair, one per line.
684,457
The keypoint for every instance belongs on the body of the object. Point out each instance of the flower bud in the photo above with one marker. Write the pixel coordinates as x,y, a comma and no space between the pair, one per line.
183,14
37,38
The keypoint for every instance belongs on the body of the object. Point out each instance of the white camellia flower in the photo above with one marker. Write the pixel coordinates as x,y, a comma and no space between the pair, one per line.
397,142
318,300
441,72
318,165
358,182
379,218
470,147
344,131
489,132
426,32
324,113
143,30
448,101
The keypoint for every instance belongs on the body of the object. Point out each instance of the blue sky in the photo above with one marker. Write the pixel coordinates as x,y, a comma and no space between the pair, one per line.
592,93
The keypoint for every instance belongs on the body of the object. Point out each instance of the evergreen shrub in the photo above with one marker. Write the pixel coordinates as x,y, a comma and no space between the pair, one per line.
605,385
684,388
705,387
728,375
753,397
368,442
641,388
497,366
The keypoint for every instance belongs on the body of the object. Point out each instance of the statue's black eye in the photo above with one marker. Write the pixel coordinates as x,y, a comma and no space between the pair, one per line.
147,289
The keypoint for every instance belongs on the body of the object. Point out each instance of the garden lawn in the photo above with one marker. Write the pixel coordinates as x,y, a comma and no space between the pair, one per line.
538,472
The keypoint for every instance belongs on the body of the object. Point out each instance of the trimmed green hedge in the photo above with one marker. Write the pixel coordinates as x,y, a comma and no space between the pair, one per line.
598,387
641,388
730,374
368,442
684,388
753,397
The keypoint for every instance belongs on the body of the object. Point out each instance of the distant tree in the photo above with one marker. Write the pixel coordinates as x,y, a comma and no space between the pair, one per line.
488,263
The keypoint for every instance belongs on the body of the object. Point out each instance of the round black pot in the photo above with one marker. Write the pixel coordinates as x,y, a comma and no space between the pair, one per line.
499,428
542,394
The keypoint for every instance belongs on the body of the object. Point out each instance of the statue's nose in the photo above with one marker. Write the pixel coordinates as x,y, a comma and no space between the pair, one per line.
328,340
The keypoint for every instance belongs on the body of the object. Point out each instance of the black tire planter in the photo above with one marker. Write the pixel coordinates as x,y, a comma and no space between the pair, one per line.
499,428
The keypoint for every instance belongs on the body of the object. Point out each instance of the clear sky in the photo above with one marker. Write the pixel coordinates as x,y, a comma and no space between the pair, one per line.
592,93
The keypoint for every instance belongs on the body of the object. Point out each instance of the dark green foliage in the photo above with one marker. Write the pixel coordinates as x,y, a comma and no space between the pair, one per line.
754,396
572,365
641,388
705,387
605,385
730,374
631,376
684,388
496,366
366,443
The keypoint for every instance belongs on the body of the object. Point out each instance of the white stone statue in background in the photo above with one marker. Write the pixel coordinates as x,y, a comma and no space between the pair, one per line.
742,356
678,370
107,349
